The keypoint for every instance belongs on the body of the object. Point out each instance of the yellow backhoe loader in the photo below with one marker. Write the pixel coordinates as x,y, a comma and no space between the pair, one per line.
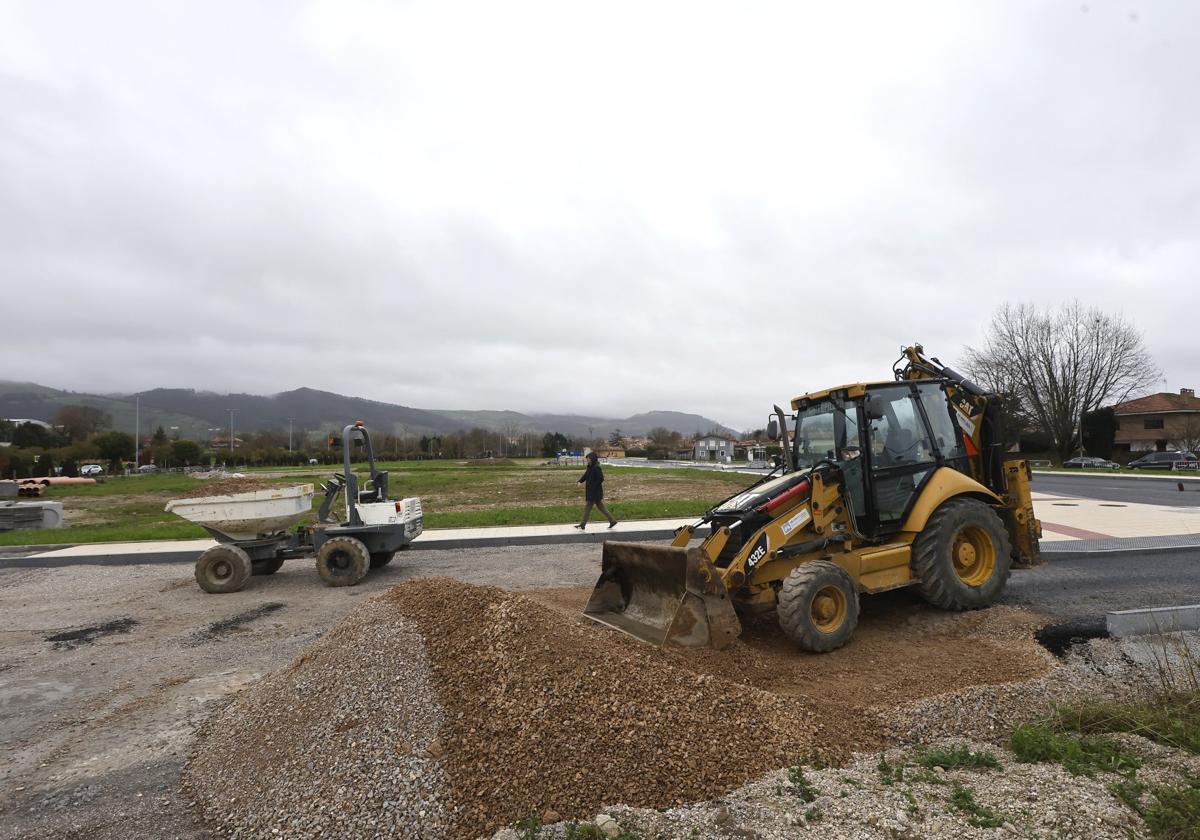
881,485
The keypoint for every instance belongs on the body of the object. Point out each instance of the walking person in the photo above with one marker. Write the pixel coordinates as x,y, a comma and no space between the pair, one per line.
593,491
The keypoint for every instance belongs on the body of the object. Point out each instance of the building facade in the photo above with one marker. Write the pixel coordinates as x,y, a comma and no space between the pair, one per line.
1159,422
713,448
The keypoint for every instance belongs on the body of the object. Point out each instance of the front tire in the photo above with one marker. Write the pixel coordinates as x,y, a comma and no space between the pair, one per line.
342,561
963,557
222,568
818,606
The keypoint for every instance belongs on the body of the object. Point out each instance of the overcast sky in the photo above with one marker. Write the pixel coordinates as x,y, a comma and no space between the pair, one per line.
598,208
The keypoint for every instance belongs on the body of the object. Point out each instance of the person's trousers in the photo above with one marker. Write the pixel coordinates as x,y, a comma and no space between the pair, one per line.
587,511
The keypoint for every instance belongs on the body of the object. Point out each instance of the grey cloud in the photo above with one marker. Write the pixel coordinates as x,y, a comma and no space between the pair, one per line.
216,202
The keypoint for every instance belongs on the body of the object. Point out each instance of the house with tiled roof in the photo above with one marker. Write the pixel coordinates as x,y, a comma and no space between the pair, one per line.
1159,422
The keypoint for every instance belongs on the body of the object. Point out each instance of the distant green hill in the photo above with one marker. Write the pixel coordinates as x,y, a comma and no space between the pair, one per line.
195,413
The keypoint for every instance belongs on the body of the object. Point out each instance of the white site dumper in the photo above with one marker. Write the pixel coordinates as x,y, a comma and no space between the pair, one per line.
257,531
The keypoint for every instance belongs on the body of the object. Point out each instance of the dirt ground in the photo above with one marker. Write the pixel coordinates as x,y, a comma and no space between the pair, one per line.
106,672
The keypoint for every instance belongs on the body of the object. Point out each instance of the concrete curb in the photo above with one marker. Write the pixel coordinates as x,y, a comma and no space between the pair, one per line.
598,536
1151,622
443,543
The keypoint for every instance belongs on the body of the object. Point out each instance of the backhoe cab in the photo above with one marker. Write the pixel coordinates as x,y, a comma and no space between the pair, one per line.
882,485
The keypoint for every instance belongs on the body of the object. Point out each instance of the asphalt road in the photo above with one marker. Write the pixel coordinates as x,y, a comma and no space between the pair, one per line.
1148,491
1087,588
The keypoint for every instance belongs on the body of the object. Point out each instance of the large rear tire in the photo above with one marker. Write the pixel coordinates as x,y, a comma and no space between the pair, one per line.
818,606
963,557
268,567
222,568
342,561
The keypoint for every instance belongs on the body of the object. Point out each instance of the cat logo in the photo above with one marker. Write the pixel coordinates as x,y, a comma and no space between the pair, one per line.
759,552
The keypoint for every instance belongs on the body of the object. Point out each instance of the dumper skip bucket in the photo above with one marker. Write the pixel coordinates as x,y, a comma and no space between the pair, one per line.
662,594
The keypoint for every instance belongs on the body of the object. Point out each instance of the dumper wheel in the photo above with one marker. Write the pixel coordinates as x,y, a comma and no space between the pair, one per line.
268,567
379,559
342,561
818,606
222,568
963,557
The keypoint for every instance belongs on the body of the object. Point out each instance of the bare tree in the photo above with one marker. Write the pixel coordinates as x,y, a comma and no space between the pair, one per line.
1060,364
79,422
1189,435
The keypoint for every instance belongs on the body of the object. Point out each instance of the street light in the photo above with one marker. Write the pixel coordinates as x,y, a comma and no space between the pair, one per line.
231,410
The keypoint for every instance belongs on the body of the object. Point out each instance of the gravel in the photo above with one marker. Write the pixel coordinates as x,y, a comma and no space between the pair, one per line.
859,800
341,743
526,710
231,486
546,714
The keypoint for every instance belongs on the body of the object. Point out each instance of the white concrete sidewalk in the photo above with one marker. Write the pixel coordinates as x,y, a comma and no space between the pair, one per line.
431,538
1071,518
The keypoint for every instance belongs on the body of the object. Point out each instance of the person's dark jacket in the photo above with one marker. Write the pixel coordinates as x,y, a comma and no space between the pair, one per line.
593,483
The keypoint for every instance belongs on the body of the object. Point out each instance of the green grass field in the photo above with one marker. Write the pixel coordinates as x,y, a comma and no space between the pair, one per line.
454,494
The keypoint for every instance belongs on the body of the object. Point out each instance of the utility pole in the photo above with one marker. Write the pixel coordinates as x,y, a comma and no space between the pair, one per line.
290,419
137,430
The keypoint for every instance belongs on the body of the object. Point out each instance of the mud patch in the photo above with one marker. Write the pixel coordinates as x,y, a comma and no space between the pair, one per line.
1060,638
235,622
71,639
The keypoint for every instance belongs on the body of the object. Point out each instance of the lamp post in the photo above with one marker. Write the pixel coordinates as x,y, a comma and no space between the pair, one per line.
231,410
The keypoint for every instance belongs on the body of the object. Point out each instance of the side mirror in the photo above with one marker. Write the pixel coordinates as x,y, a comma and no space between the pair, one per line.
773,429
874,408
776,461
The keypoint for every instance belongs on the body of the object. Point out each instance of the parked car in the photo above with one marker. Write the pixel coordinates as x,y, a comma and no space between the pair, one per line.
1084,462
1165,461
147,468
92,470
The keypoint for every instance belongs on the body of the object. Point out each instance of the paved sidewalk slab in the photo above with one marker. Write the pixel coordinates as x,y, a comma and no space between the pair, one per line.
1074,549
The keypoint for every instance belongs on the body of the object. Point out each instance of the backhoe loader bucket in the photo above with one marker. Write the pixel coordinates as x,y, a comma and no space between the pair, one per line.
663,594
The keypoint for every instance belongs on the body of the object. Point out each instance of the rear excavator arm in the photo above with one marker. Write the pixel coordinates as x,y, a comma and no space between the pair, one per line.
979,417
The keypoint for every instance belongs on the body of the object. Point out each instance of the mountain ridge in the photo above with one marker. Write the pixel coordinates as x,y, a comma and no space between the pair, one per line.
200,414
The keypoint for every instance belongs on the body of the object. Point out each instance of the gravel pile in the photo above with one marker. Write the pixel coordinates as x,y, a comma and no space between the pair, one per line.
545,715
897,799
341,743
449,710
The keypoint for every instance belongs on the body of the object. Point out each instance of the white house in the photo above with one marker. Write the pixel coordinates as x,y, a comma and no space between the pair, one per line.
713,448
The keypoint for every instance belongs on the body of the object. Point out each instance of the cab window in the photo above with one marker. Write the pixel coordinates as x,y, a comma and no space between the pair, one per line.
945,435
902,454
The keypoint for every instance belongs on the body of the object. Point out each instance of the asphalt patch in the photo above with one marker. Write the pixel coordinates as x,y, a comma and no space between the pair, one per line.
226,625
71,639
1060,638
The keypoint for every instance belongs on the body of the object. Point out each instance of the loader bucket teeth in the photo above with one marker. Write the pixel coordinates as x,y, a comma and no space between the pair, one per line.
662,594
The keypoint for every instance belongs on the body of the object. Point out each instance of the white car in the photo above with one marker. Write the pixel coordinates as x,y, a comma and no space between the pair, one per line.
91,469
